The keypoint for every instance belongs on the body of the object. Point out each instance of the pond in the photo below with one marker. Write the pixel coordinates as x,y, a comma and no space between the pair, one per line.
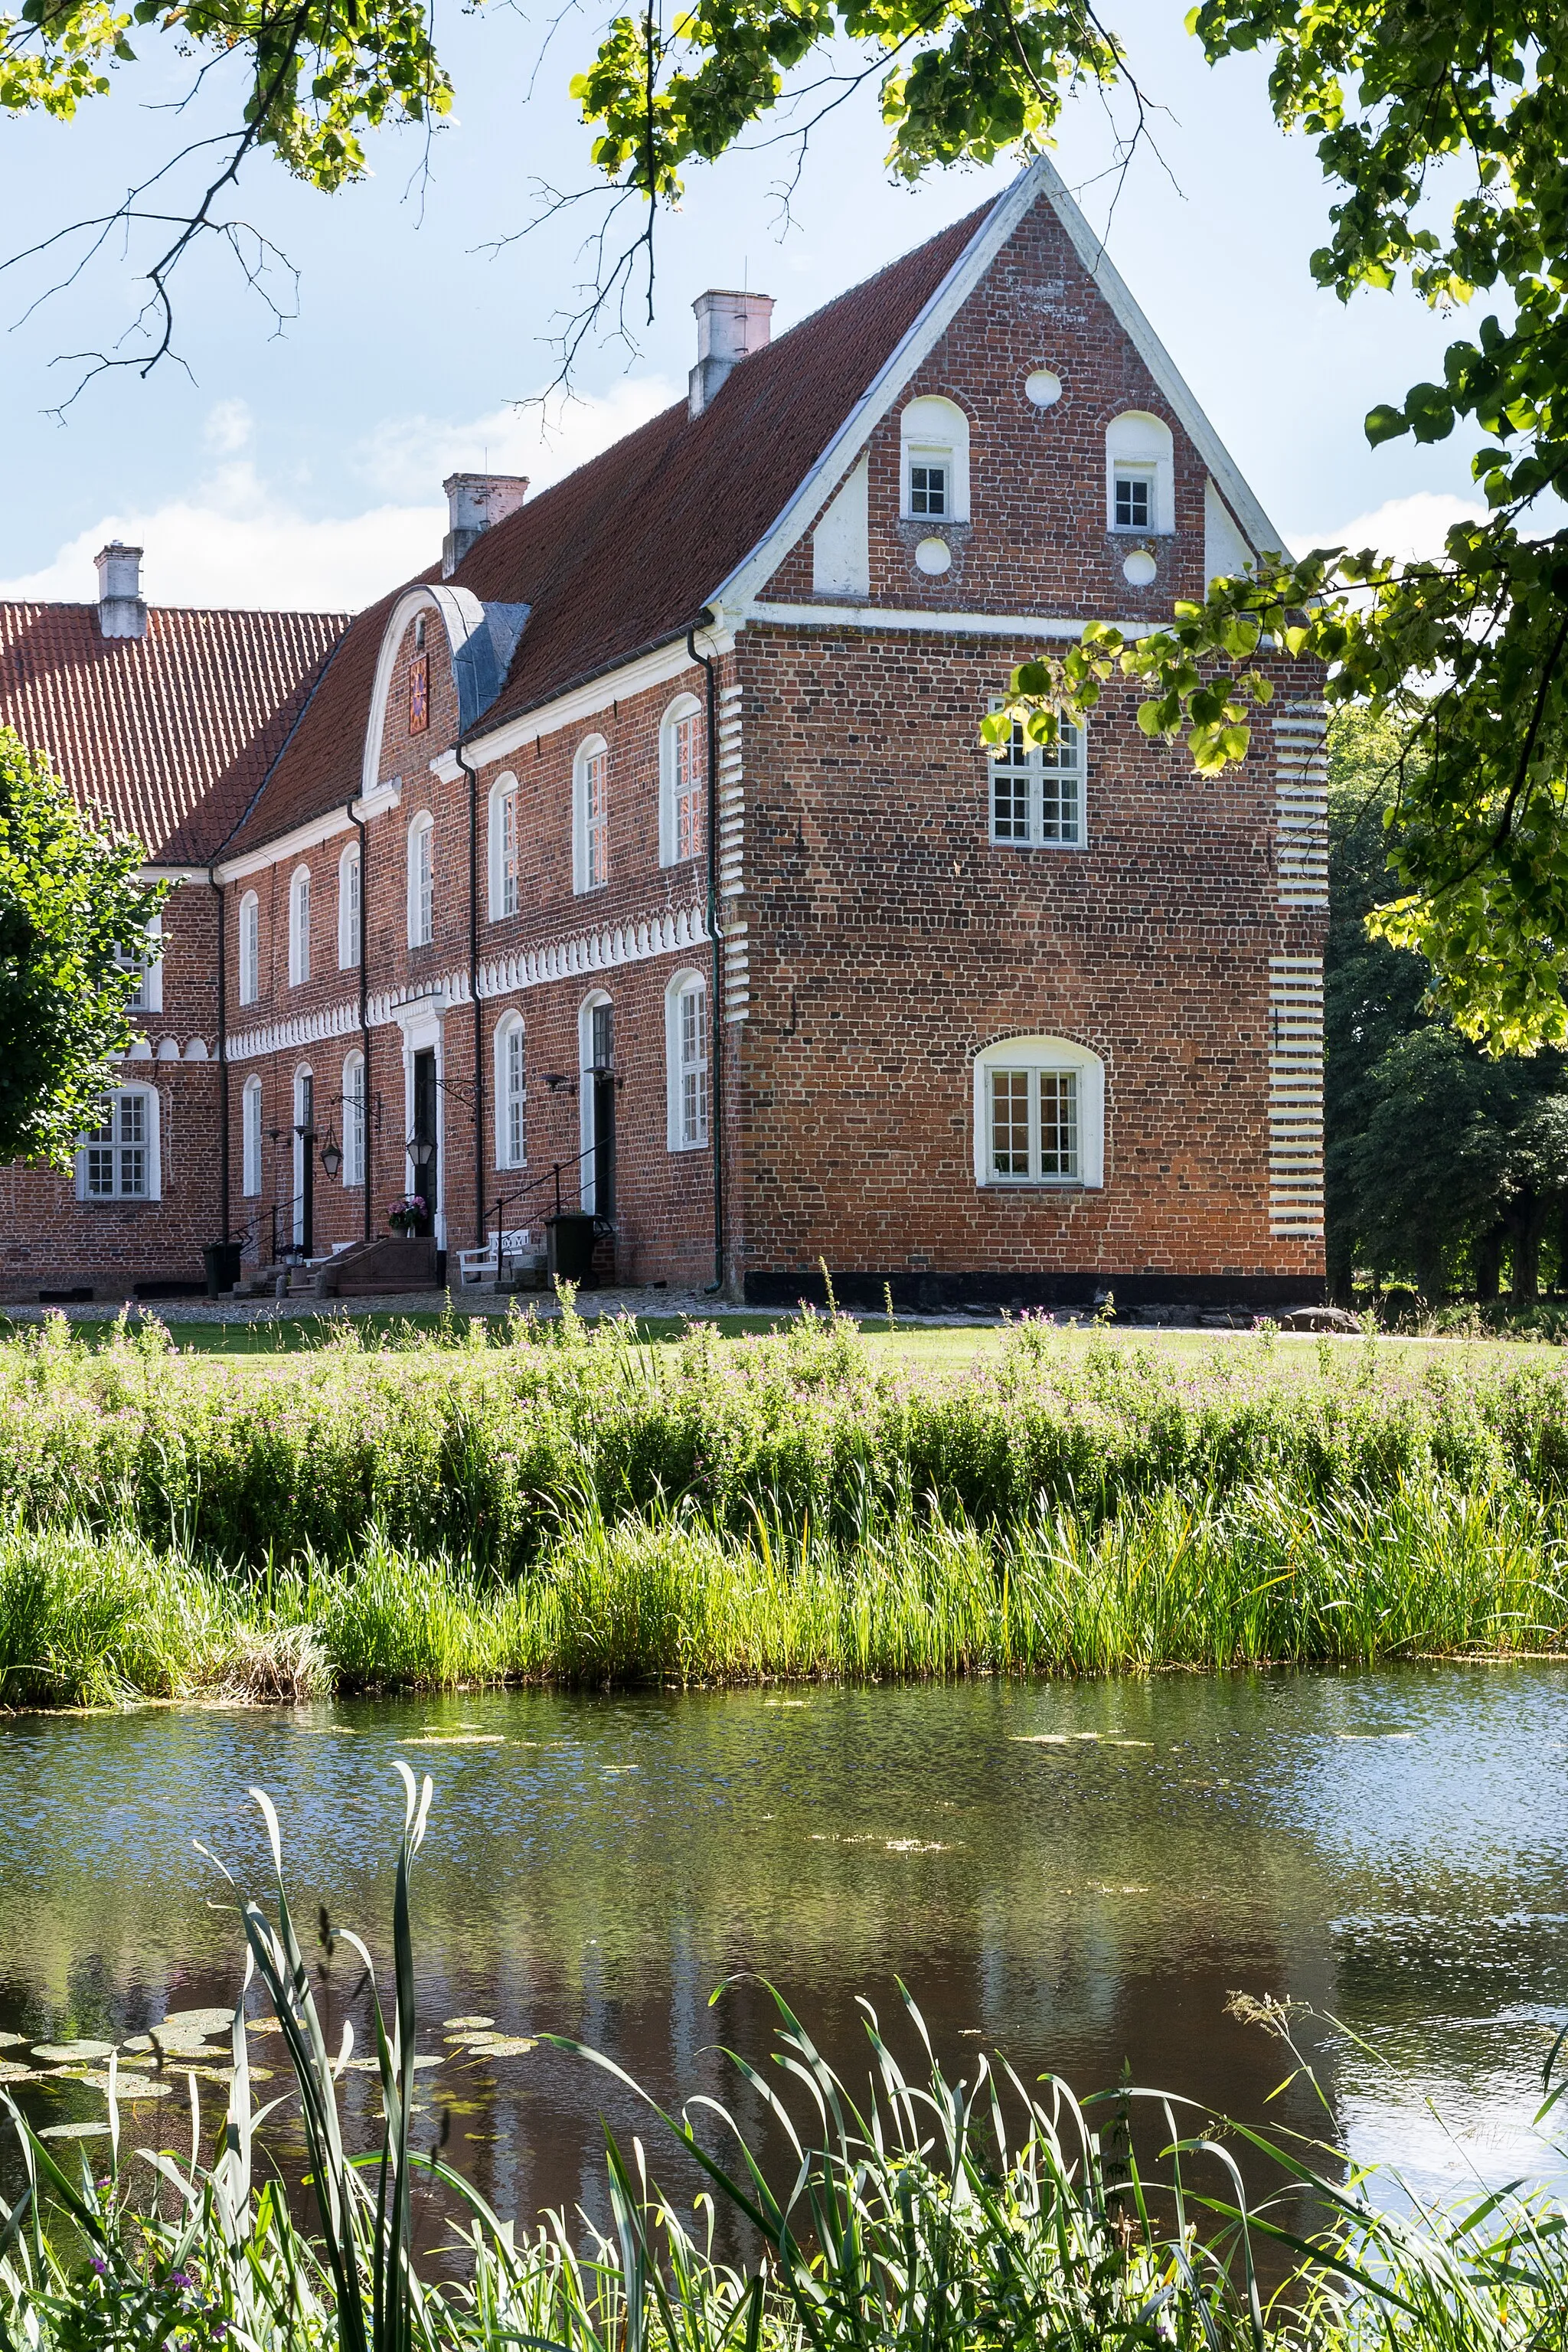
1075,1874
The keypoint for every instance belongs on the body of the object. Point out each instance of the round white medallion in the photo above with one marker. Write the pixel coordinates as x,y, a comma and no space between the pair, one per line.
933,555
1139,568
1044,388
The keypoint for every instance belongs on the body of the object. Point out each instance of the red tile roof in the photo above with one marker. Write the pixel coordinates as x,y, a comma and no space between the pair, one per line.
168,736
622,555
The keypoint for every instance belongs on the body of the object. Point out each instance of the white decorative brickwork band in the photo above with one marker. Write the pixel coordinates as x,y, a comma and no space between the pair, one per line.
1296,1098
1301,805
673,930
737,973
732,797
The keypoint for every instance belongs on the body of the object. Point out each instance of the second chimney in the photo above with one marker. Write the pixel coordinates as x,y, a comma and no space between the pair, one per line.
728,327
121,611
475,501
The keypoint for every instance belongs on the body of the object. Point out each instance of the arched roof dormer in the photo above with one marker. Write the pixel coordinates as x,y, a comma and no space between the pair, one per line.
482,639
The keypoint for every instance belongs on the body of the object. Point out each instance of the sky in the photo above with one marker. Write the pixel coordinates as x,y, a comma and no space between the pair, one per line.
296,460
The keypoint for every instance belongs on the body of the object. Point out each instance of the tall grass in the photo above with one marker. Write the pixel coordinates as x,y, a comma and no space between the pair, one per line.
480,1451
1242,1576
928,2214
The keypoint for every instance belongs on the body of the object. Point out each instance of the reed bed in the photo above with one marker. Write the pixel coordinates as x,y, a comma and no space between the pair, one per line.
1244,1576
926,2213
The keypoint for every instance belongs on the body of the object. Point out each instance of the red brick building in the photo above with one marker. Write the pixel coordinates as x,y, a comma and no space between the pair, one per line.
646,844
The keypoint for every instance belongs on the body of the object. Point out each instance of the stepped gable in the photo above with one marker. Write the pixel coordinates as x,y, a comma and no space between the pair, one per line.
168,736
621,555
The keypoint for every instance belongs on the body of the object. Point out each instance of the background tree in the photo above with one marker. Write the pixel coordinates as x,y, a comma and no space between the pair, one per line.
73,922
1438,1158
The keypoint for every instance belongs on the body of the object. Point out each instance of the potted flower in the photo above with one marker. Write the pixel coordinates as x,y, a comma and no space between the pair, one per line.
407,1216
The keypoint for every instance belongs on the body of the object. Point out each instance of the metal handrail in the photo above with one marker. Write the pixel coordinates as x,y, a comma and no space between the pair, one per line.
522,1192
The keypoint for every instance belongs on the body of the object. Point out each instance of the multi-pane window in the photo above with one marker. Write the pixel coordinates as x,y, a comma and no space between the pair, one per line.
512,1092
686,1054
249,948
928,486
1036,790
422,883
348,910
251,1139
686,753
508,852
300,928
353,1120
1132,500
596,820
1032,1125
117,1152
148,994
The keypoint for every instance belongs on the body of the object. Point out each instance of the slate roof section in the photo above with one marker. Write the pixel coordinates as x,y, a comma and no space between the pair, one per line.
168,736
621,555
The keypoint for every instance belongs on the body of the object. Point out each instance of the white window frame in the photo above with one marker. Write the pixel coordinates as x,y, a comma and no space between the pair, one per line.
1139,443
297,1154
299,926
588,1175
353,1108
511,1091
1046,772
250,1117
148,1144
935,432
683,1131
1036,1055
505,901
684,711
351,880
590,862
249,947
422,880
148,967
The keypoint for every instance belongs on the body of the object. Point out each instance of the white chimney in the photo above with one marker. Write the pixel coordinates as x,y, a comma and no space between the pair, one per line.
729,326
475,501
121,611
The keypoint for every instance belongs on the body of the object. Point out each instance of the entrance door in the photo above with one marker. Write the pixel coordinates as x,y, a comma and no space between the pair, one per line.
426,1167
304,1167
603,1077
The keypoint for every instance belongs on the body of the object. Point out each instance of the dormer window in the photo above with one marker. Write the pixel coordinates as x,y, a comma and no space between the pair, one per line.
927,486
1139,474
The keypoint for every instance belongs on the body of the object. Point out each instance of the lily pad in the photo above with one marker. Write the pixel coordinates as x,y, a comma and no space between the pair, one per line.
71,2053
75,2131
477,2025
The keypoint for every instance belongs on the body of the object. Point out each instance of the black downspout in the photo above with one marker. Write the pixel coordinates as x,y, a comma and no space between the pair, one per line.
716,1091
223,1176
472,775
360,826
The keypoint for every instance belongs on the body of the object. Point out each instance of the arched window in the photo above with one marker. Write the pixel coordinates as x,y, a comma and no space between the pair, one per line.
933,436
1139,474
504,898
349,886
118,1159
249,948
147,962
1040,1114
422,880
353,1120
250,1139
1038,789
300,928
686,1061
682,795
512,1092
591,816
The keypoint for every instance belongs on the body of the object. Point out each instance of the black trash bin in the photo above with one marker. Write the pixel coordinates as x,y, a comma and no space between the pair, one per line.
570,1242
221,1260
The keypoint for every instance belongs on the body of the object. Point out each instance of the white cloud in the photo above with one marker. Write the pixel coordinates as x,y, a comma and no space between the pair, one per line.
1411,527
237,540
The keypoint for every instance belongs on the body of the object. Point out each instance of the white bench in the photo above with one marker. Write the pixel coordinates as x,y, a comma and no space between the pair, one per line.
484,1265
